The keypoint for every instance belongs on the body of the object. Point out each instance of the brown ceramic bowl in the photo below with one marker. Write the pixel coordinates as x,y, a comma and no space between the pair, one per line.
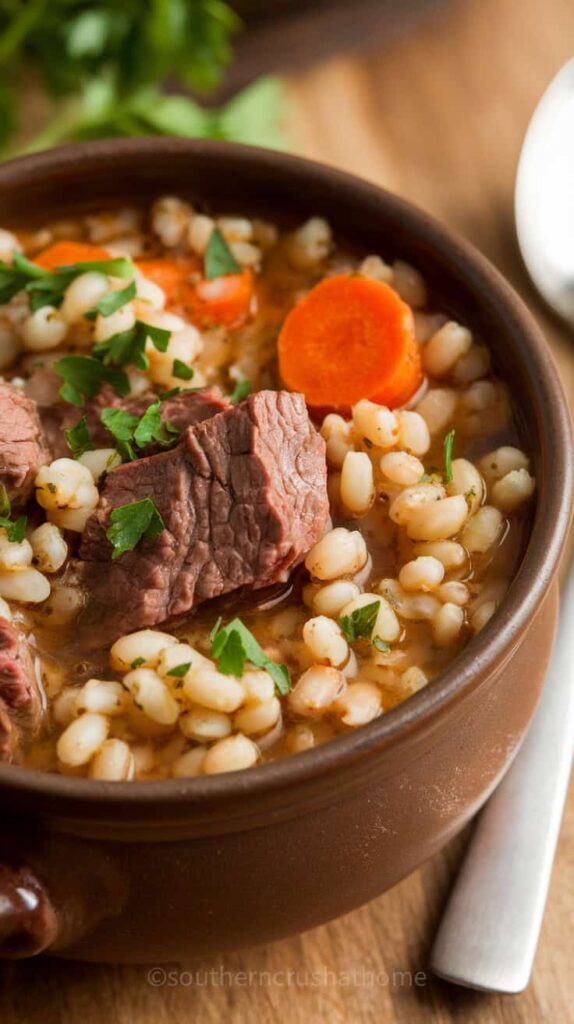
161,870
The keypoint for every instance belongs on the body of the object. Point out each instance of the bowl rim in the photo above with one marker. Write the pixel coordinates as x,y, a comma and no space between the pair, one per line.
474,663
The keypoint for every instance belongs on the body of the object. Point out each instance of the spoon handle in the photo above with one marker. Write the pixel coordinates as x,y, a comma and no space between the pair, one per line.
488,935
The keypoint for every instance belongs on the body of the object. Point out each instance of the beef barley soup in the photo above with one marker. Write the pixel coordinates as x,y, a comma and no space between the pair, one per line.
256,490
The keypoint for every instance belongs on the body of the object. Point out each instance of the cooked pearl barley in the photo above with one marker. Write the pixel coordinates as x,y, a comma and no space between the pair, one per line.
414,436
412,498
5,612
413,680
483,530
190,764
340,552
360,703
410,284
185,345
258,687
331,599
122,320
482,615
447,623
65,483
49,547
437,408
205,724
325,641
387,626
152,696
466,480
300,737
514,488
473,365
64,604
82,739
214,690
416,607
170,219
401,468
357,483
114,762
376,268
258,718
27,586
451,554
104,696
82,295
438,521
230,755
338,435
445,347
8,243
310,243
44,329
377,423
503,460
246,254
423,573
65,706
145,643
70,518
316,690
453,592
14,555
180,654
149,292
200,232
100,461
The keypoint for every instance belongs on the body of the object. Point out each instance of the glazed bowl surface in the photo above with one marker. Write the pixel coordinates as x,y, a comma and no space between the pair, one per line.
161,870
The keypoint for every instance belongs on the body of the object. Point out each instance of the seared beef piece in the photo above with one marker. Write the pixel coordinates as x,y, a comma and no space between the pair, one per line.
22,451
20,709
243,498
180,411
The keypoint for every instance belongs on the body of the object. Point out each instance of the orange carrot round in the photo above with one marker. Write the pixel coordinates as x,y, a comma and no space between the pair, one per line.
62,254
224,300
350,338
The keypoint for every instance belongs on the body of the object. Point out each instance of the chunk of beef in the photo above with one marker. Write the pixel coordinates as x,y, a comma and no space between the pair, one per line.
243,498
22,450
20,707
179,411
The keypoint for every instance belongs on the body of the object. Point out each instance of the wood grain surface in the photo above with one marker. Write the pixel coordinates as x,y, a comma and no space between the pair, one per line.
439,118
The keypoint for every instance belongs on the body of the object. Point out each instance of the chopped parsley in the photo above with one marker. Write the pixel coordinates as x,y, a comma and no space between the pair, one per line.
113,301
131,430
234,644
361,622
79,439
179,671
15,529
218,259
128,347
137,662
121,425
129,524
83,377
242,389
181,370
47,287
447,447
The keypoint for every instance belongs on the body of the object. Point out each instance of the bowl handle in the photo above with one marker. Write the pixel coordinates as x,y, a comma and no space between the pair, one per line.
28,921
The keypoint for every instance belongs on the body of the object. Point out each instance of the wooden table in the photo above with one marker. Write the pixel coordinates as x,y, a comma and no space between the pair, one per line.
439,118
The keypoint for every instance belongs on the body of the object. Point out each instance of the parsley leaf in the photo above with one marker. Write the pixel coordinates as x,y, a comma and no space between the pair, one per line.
112,301
137,662
152,428
181,370
179,671
79,438
129,524
447,448
15,530
128,347
361,622
242,389
47,287
83,377
4,501
218,259
141,431
121,425
234,644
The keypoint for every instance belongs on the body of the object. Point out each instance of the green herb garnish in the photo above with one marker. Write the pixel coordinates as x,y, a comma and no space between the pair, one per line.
128,347
79,438
113,301
140,431
361,622
47,287
83,377
447,447
4,501
234,644
218,259
181,370
242,389
129,524
381,645
15,529
121,425
179,671
137,662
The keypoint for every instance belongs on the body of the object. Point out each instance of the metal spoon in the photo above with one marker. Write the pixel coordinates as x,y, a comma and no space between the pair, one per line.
489,932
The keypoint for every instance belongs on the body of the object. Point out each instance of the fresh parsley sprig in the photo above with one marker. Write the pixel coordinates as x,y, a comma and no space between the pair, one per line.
15,529
218,260
361,623
79,439
129,524
447,449
140,431
83,377
234,645
242,389
47,287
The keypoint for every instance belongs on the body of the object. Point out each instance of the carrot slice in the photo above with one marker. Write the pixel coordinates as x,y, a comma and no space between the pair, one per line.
350,338
61,254
225,300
